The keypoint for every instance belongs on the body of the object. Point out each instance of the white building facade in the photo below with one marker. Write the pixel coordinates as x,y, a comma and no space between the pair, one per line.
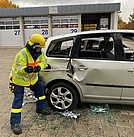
16,25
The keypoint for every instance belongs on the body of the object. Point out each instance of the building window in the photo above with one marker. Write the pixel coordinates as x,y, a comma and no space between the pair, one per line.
35,22
65,21
9,23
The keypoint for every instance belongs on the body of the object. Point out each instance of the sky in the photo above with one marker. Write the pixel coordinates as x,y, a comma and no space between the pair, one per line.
126,5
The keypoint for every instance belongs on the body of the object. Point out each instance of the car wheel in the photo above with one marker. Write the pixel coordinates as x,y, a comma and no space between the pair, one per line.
61,96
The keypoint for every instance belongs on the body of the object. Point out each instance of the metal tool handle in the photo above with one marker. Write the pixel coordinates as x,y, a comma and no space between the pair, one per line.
131,70
51,70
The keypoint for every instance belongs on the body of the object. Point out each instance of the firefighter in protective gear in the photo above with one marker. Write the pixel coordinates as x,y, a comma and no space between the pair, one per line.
27,64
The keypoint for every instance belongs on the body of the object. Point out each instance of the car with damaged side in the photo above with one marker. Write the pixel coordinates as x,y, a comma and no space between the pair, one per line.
103,73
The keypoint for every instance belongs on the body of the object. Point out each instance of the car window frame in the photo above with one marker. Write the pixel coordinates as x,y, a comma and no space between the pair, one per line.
128,34
53,45
119,52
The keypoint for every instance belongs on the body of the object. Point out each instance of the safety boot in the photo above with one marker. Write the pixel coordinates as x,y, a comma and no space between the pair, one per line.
16,128
43,111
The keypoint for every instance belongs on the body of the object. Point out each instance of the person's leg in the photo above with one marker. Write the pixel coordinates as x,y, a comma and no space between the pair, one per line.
40,97
15,118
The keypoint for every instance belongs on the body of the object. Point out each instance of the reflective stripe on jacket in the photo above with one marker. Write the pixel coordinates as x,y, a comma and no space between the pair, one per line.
22,60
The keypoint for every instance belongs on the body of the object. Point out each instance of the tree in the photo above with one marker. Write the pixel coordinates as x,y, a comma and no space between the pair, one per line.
124,25
121,23
131,21
7,4
131,18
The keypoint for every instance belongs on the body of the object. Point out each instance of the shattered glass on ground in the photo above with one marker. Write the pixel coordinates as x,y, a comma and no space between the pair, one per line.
70,114
99,108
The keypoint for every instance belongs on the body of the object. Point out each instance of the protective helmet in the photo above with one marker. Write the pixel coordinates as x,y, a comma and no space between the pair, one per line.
36,40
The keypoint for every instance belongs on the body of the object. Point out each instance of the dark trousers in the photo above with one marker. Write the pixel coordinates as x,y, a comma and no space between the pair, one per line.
18,100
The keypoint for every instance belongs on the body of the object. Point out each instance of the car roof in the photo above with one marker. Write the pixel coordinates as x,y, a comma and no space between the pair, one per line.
49,39
89,32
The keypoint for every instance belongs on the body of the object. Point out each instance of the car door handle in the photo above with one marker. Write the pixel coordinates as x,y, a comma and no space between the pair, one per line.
131,70
82,68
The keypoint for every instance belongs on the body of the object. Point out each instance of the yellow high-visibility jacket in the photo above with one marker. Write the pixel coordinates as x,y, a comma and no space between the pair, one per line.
23,59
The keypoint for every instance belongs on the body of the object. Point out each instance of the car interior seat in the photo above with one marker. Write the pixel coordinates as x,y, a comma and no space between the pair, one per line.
102,45
101,48
108,50
88,45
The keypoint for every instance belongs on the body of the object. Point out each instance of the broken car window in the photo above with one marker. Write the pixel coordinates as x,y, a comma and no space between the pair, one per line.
60,48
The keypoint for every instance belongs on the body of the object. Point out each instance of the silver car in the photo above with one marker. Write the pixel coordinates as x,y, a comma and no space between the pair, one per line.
103,73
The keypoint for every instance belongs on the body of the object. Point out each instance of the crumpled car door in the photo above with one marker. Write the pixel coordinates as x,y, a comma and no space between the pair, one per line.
100,79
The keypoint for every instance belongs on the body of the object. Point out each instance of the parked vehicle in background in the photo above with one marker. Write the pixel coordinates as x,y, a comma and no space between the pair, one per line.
101,73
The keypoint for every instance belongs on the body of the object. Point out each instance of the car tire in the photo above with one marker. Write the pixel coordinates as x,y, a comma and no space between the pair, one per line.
62,96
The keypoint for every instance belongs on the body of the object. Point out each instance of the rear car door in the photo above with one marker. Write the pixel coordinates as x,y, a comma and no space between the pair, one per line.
99,76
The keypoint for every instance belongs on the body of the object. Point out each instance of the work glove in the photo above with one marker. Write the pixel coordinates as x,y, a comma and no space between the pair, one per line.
11,86
48,66
29,69
37,69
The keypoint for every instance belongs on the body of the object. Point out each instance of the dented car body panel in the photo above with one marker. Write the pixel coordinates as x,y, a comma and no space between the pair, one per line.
100,77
